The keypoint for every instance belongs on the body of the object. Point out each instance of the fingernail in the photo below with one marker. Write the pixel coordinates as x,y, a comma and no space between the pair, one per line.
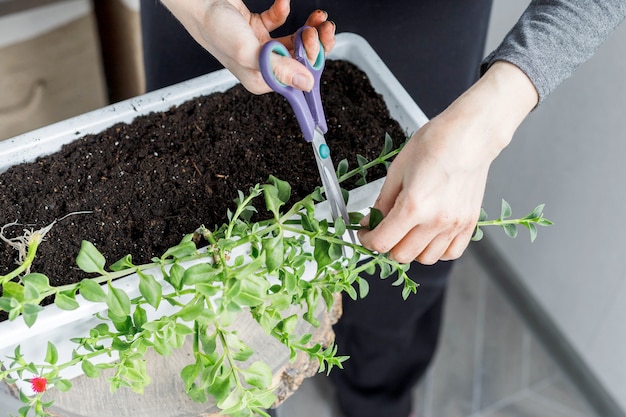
302,82
334,25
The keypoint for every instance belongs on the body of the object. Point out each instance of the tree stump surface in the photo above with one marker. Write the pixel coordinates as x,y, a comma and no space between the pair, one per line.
166,397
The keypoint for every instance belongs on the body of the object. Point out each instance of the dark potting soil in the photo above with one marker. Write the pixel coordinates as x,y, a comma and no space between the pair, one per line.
148,183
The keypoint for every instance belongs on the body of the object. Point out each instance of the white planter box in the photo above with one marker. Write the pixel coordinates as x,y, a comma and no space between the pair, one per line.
58,326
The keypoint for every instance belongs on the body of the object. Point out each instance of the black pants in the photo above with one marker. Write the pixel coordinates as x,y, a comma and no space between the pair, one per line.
434,48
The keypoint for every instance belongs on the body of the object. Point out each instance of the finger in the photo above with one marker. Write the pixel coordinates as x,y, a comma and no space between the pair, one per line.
434,250
326,32
458,245
386,198
385,201
393,228
412,245
316,18
289,71
276,15
311,43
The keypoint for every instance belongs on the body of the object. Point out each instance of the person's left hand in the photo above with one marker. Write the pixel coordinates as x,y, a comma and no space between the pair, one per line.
434,188
431,197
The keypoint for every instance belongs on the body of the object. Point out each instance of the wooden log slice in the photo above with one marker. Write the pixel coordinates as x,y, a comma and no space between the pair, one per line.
166,397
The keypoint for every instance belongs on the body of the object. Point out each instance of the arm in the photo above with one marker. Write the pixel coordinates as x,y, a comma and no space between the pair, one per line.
434,188
432,195
553,37
234,35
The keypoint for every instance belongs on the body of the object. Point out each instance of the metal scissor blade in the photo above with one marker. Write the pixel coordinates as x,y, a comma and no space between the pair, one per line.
329,181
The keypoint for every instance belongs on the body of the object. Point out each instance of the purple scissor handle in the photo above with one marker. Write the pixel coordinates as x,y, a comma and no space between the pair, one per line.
306,105
310,115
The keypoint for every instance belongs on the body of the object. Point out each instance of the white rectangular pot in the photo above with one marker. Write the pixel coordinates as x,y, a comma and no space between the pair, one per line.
58,326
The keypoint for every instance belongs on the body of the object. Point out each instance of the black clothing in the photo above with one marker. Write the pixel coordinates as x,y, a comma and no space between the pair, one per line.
434,48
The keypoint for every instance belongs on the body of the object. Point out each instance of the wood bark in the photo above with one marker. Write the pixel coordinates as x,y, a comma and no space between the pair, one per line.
166,397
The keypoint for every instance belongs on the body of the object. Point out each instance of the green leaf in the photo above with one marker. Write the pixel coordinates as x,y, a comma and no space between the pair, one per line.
388,147
361,161
65,302
176,275
510,230
189,374
364,287
125,263
89,259
274,252
276,193
532,229
342,167
220,387
340,226
192,310
249,290
139,317
376,216
35,283
478,234
181,250
30,313
90,369
483,215
5,304
345,194
52,355
258,375
505,210
321,253
289,324
544,222
123,324
308,222
118,302
283,187
232,402
355,217
63,385
92,291
200,273
150,289
12,289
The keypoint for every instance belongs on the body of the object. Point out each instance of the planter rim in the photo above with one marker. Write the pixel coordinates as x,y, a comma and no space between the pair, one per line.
44,141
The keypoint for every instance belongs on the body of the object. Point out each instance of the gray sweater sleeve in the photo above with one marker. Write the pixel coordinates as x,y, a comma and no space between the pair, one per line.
553,37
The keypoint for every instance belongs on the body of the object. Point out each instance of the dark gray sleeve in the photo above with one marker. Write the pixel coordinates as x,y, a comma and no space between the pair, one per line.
553,37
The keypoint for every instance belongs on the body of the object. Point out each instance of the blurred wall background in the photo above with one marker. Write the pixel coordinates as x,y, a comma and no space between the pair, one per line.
570,155
60,58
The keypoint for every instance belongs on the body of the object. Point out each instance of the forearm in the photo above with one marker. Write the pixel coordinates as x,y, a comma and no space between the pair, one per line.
553,37
492,109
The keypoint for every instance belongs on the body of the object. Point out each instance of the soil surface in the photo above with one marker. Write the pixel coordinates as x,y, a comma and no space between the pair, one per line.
148,183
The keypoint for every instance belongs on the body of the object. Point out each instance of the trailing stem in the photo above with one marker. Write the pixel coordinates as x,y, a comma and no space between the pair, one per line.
205,298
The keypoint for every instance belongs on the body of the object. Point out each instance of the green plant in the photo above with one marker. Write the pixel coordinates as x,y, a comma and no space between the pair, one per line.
248,267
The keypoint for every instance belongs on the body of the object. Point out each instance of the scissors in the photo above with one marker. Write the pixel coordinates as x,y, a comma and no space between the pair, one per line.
310,115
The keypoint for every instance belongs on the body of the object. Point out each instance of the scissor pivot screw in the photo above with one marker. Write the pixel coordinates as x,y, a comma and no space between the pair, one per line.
324,151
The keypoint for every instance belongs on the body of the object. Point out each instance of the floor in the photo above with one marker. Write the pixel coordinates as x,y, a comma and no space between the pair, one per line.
489,363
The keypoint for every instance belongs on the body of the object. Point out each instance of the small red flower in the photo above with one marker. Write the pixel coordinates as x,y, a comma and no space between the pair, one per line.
39,384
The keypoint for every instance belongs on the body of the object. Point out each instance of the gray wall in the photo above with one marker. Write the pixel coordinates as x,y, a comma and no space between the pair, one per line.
570,155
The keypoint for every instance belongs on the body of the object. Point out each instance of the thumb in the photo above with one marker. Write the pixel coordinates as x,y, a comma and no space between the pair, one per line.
290,72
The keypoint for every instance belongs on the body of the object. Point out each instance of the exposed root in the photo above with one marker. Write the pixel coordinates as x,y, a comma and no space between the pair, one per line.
30,236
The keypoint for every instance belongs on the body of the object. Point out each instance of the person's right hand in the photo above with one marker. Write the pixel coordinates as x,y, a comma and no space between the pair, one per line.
234,36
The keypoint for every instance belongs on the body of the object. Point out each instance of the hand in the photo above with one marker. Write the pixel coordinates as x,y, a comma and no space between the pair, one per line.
234,35
434,188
